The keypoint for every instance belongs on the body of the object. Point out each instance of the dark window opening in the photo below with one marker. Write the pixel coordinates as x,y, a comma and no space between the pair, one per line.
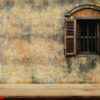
88,35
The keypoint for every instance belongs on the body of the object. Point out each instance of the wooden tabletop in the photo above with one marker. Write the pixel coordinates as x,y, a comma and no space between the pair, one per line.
51,90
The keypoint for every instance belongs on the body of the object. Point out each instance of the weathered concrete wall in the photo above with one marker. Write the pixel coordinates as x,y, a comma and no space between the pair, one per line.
32,48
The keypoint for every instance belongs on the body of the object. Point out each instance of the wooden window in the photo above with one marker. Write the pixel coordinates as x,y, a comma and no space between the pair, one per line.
70,37
83,33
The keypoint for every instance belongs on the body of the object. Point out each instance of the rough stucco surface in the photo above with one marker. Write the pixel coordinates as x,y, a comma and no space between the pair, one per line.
32,48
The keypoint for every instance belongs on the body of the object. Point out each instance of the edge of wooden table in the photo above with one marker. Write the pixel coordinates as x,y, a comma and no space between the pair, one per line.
49,90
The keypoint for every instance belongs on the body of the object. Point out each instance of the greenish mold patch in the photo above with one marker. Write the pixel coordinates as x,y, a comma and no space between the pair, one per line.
29,37
26,37
88,65
7,4
69,65
61,53
58,37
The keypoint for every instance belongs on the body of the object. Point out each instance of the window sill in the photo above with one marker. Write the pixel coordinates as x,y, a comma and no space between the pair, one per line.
88,55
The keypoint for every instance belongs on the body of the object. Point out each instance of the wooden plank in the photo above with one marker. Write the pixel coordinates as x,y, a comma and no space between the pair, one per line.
69,36
51,90
75,37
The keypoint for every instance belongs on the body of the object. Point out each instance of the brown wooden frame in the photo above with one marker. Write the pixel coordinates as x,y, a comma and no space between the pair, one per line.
74,37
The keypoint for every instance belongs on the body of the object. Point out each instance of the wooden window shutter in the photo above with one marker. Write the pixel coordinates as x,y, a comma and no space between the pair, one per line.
70,37
98,37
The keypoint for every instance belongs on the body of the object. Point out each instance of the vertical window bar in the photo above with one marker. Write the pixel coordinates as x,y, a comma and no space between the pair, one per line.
80,48
98,37
91,37
95,36
80,39
88,37
83,36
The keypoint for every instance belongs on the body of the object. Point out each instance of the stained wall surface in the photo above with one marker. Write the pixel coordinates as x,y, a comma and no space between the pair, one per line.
32,45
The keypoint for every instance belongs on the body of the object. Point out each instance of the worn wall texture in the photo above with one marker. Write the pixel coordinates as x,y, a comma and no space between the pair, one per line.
32,48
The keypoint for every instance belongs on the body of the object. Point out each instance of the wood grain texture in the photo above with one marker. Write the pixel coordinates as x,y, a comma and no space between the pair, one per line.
53,90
